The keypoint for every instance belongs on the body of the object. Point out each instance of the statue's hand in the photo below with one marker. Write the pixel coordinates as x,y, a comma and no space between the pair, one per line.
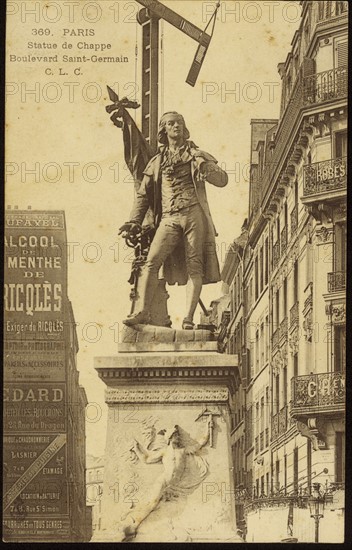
129,228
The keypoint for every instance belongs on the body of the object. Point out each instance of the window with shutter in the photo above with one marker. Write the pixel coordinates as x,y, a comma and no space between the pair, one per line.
340,247
340,144
341,54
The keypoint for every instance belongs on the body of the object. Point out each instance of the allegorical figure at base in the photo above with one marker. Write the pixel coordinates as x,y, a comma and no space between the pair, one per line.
183,471
172,192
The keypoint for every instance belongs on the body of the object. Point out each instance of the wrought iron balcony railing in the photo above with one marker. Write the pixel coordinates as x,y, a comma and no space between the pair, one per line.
308,302
318,393
294,315
325,86
327,10
307,92
336,281
294,220
283,240
324,177
273,502
276,254
283,329
275,339
275,427
279,423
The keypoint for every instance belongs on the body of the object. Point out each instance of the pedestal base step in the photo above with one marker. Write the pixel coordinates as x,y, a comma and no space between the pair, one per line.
150,334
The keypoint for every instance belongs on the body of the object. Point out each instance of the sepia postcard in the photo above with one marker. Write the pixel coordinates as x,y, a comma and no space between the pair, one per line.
175,271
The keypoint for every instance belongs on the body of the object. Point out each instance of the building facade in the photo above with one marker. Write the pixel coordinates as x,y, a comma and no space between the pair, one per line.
287,285
44,404
94,489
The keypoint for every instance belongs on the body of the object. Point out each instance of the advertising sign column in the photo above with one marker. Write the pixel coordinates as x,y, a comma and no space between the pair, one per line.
36,503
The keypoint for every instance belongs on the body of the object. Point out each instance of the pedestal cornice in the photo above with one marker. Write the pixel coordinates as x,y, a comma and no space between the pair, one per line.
161,368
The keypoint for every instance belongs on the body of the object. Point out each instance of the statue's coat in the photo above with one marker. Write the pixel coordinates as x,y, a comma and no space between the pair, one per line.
149,196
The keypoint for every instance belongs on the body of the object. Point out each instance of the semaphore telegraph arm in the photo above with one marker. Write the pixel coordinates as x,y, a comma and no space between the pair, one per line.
149,18
163,12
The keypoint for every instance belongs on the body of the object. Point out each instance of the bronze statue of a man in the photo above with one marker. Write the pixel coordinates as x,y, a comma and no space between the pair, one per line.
173,188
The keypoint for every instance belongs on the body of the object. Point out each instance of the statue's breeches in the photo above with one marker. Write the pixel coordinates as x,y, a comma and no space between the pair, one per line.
187,225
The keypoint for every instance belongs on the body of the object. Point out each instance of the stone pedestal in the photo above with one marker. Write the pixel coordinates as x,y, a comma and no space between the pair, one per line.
168,467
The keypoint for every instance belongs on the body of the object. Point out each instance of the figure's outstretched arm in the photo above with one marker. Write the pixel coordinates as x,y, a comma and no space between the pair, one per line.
202,442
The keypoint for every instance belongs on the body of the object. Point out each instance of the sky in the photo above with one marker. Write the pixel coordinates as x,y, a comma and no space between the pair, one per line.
63,152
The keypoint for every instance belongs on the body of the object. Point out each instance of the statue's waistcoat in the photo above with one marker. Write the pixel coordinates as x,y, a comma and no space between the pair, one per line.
175,265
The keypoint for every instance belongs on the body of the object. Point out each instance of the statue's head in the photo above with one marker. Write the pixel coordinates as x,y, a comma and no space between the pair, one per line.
172,124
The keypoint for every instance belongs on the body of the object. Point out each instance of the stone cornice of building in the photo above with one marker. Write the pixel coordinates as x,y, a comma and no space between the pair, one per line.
264,121
259,223
231,263
301,139
284,171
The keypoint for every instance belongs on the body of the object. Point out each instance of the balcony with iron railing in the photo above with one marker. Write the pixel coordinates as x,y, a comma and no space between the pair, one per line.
283,330
318,394
283,240
275,338
336,281
276,254
279,423
267,441
308,302
294,220
325,86
294,315
294,495
307,92
331,9
325,180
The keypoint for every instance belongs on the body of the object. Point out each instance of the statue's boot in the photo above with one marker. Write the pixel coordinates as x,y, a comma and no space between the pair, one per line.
187,324
139,318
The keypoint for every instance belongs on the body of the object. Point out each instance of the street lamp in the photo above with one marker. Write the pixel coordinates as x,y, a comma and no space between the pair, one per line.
316,505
